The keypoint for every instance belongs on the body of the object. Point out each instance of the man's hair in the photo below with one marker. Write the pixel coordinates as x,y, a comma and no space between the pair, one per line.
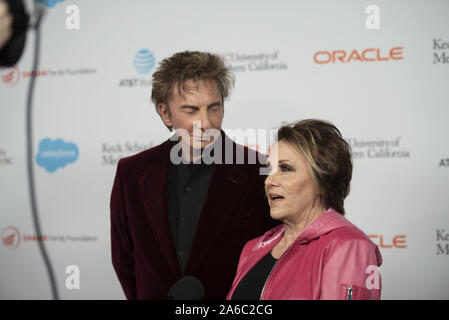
328,156
189,65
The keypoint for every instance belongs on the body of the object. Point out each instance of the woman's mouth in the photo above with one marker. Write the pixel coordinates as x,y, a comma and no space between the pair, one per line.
274,197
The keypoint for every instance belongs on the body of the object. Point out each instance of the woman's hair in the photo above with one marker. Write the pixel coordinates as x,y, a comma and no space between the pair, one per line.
328,156
186,65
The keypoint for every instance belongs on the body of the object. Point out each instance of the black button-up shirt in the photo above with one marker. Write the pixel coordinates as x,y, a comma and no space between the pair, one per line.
187,190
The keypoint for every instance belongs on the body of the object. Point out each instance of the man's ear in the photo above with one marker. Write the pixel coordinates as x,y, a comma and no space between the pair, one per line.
164,113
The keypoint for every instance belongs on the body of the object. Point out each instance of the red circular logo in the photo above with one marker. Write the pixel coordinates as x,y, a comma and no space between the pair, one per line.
10,76
10,237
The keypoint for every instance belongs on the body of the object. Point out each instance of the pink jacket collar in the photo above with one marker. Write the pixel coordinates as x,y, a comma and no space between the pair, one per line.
326,222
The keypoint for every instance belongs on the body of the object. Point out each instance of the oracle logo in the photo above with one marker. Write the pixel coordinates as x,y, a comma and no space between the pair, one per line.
399,241
10,237
10,76
367,55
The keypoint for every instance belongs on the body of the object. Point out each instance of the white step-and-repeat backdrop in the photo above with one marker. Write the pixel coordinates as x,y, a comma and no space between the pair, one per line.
379,70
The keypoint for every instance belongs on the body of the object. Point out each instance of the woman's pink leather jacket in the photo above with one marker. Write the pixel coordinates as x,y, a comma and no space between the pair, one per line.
330,259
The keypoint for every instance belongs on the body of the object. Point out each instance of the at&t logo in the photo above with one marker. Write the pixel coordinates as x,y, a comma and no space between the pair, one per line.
144,61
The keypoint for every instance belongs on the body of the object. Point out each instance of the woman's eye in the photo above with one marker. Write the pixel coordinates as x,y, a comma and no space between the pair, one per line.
284,168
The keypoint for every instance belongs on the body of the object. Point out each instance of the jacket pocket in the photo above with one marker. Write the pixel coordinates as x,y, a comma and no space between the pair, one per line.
351,292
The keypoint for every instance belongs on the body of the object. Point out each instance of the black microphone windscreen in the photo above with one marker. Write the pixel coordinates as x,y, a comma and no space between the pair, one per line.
186,288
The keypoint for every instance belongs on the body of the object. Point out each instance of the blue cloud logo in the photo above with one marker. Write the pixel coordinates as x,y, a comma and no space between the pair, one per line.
50,3
144,61
56,154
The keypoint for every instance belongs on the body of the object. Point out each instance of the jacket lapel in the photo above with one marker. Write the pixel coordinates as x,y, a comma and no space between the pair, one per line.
225,189
153,184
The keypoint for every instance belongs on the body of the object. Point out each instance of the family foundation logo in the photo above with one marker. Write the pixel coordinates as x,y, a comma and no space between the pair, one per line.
5,159
10,76
56,154
11,238
143,62
365,55
243,62
377,149
113,152
440,51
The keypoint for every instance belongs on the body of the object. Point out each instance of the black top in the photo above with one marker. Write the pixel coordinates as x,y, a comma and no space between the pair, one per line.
250,287
187,190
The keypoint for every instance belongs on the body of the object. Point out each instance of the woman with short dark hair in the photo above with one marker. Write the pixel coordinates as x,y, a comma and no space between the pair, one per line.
315,253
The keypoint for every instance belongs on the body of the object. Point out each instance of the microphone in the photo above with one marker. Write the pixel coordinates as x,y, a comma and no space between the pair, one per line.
186,288
13,48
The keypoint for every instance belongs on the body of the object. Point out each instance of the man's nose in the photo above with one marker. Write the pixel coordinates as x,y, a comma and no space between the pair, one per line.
205,120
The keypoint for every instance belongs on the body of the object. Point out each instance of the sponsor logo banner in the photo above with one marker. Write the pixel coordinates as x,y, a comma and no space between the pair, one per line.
50,3
386,242
11,238
10,76
260,61
5,159
361,55
442,242
113,152
377,148
55,154
144,62
440,51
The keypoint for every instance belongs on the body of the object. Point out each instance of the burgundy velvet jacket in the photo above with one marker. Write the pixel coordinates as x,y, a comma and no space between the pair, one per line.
143,251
